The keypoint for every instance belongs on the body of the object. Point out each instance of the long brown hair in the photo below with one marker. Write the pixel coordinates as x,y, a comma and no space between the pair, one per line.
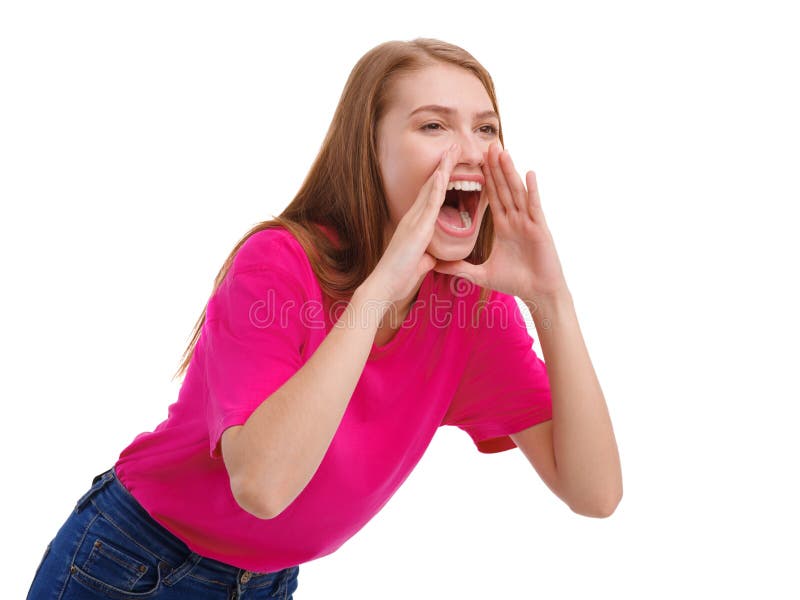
343,190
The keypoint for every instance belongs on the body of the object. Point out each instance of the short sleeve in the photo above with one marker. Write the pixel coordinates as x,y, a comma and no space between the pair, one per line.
504,388
253,343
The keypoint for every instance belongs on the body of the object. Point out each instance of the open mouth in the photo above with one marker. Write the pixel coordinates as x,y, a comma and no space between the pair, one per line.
459,208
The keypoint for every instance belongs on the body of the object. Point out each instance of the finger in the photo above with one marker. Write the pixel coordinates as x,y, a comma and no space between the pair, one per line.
428,193
534,202
497,208
500,183
515,186
439,190
427,190
436,194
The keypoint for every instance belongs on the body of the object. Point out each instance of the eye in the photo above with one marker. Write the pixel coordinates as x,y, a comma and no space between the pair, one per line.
490,129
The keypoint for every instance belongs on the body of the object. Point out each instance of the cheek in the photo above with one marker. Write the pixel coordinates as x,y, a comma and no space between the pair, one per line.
401,196
398,202
406,170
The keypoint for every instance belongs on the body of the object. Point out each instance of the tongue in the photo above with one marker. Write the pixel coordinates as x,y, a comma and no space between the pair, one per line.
450,216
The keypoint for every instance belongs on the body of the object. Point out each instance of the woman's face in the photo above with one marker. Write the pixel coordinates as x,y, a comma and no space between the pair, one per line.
410,146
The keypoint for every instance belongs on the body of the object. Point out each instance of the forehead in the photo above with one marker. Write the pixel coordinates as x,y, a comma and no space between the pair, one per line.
445,85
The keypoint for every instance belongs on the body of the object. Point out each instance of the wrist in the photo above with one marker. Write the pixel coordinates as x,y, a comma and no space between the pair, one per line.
545,308
368,299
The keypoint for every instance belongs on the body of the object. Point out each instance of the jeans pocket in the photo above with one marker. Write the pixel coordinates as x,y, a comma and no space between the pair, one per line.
110,561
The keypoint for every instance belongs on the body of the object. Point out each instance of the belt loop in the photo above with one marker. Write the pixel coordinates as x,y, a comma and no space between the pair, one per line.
287,574
98,482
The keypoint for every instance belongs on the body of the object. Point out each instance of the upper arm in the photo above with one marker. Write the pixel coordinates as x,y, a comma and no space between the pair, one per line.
536,443
254,333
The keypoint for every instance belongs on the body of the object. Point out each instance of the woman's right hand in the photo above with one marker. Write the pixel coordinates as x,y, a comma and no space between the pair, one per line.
405,260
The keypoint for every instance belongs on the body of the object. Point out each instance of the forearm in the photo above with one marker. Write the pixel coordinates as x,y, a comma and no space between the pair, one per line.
584,446
288,435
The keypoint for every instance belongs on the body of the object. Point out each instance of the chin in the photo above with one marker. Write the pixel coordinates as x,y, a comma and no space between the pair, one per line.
450,249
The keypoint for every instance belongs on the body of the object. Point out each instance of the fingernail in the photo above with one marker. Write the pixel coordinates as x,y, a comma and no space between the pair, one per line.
454,146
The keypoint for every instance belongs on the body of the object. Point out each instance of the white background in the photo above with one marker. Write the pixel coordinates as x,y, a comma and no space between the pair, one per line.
140,141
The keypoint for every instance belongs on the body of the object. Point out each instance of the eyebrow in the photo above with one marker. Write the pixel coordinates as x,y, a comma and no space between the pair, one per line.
449,111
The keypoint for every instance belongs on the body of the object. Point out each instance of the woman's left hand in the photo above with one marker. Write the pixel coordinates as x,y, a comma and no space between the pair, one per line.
523,261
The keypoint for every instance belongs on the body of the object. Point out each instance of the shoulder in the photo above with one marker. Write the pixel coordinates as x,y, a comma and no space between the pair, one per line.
272,249
482,311
501,317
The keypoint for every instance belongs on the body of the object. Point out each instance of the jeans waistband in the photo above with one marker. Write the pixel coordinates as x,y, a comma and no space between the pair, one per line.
109,496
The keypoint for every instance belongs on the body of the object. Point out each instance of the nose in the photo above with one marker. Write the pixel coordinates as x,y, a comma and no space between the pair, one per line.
472,149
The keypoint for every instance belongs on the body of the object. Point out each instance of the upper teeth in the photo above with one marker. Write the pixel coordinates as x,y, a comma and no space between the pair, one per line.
470,186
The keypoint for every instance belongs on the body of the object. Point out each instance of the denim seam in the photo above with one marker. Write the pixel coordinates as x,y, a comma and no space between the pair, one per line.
108,518
258,587
182,570
75,554
157,557
97,484
203,579
103,551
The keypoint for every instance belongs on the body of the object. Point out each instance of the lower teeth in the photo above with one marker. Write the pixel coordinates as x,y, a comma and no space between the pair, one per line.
466,220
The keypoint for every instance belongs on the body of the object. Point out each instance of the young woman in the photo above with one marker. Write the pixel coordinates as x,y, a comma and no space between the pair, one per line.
377,307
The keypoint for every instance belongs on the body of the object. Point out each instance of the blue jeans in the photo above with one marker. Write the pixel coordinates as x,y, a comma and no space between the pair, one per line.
110,547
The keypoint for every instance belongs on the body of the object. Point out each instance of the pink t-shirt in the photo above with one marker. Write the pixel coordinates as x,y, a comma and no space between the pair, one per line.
442,367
